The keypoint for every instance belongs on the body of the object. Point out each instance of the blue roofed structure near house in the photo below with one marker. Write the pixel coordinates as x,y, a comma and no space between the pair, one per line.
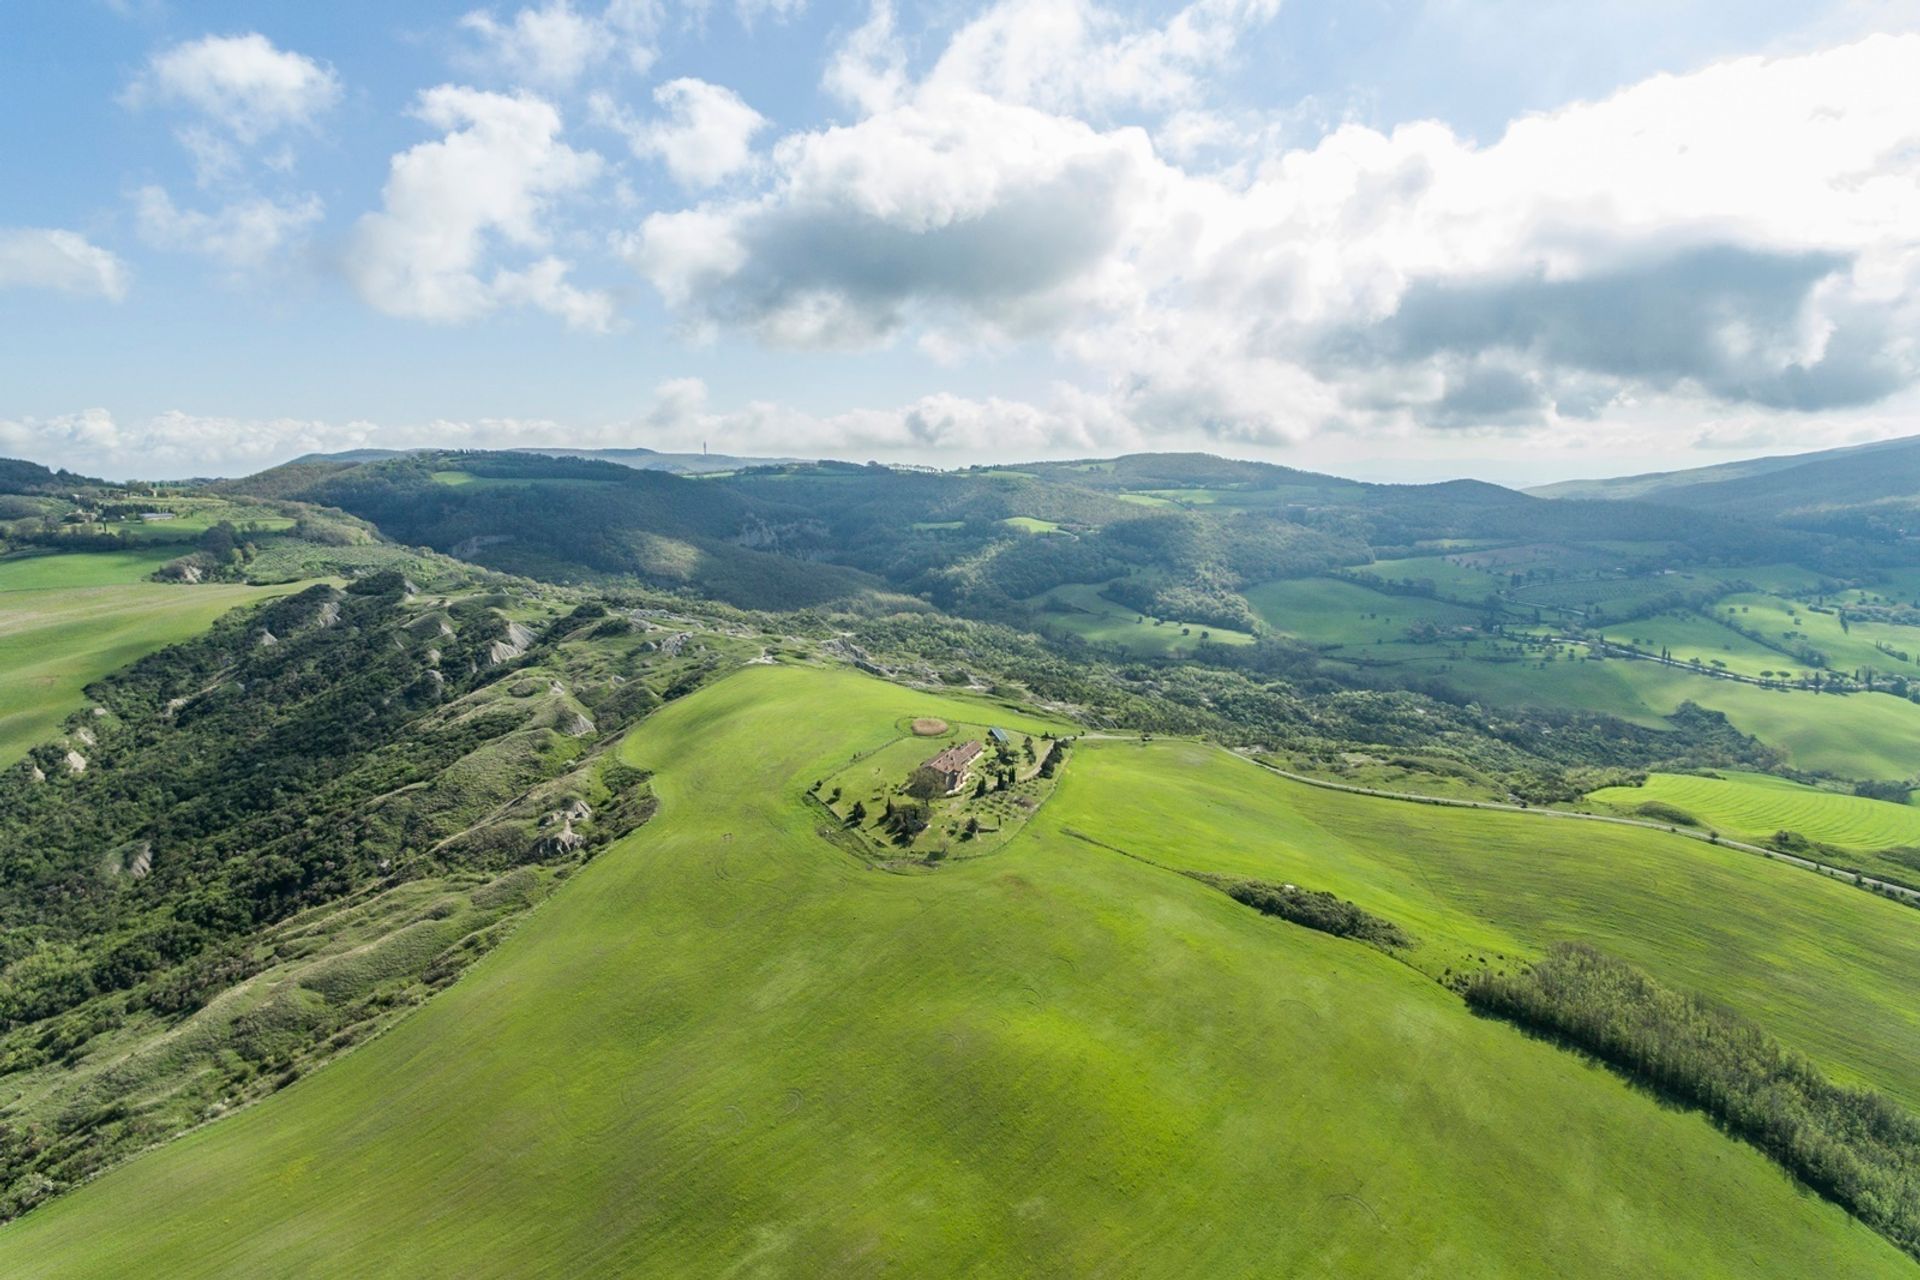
1001,738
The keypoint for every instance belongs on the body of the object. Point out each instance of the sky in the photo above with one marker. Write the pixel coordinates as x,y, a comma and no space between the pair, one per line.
1396,239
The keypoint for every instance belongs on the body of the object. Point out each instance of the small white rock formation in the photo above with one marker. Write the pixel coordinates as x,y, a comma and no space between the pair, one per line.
76,763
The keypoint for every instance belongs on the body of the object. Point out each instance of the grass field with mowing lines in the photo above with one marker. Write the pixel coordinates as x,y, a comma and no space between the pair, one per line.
57,638
1753,806
727,1048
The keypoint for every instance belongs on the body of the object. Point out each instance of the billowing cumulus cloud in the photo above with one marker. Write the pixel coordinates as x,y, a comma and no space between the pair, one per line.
243,84
1744,235
490,181
64,261
955,205
236,92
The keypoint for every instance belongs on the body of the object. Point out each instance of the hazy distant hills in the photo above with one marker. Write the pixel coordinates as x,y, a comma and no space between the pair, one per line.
1860,489
639,458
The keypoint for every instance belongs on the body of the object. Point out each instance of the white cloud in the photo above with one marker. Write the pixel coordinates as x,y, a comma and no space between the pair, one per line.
242,84
491,179
705,137
869,69
1075,56
544,285
554,46
245,236
49,258
174,443
1748,233
999,214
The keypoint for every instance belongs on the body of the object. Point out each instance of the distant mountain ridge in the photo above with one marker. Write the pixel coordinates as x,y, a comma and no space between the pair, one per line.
1650,483
1869,490
635,456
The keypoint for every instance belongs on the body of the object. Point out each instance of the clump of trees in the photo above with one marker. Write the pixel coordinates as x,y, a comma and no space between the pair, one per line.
1852,1145
1313,908
906,819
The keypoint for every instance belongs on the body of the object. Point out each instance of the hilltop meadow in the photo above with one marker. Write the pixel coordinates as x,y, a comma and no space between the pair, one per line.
492,863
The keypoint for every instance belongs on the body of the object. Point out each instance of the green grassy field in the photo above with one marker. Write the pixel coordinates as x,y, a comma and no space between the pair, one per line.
1031,524
1352,620
74,570
1862,735
1826,967
1449,574
1081,610
1847,649
67,620
1689,635
1753,806
727,1048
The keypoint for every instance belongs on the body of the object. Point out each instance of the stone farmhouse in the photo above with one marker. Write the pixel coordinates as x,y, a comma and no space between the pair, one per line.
952,765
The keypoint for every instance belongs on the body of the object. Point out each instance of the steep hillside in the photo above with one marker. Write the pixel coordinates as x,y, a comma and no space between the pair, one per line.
729,1046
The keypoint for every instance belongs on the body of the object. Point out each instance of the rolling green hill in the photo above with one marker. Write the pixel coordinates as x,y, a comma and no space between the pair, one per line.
727,1047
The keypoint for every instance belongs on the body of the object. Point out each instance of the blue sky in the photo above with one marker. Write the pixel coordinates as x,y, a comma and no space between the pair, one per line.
1400,240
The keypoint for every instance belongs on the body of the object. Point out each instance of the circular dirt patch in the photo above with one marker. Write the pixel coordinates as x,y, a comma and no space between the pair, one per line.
929,728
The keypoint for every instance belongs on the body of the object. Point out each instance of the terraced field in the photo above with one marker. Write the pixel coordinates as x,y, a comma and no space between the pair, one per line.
1753,806
728,1048
67,620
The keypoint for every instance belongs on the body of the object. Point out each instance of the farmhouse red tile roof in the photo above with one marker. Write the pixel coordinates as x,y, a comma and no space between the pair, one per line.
954,758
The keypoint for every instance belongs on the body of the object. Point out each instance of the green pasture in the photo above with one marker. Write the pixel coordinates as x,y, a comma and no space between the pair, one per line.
70,570
1031,524
1687,636
728,1048
192,517
1450,576
1754,806
57,639
1333,613
1079,609
1847,648
1826,967
1861,735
